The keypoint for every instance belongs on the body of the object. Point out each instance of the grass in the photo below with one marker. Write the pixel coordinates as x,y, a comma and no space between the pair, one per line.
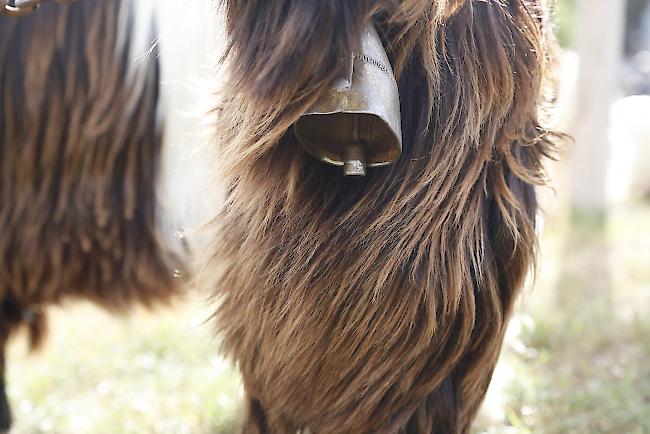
148,373
575,359
578,348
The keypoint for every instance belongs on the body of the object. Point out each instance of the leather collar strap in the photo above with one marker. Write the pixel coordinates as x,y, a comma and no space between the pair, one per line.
19,8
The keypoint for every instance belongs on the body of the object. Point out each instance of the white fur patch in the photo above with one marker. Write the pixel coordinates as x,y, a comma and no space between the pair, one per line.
188,46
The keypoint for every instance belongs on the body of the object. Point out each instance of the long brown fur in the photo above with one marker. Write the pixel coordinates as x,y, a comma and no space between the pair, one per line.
79,150
377,305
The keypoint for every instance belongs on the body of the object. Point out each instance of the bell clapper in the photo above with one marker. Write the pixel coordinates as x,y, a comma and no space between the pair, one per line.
354,161
354,164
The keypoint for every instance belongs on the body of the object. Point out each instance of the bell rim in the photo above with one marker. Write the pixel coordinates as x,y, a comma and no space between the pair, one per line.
332,162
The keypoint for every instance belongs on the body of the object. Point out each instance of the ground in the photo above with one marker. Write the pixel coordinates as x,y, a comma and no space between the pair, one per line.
575,360
148,373
576,357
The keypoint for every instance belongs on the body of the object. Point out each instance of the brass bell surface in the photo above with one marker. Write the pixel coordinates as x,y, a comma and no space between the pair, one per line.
356,123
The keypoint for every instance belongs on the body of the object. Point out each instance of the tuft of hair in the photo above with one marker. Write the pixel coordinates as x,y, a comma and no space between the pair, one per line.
33,319
79,149
377,304
36,321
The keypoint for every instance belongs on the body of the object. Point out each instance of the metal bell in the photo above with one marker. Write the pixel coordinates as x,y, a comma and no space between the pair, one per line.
356,123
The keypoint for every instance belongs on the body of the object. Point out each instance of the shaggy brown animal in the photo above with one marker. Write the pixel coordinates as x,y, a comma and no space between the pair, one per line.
377,305
79,150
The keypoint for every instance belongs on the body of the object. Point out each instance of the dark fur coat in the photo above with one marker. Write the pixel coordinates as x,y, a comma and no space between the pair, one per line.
377,305
80,139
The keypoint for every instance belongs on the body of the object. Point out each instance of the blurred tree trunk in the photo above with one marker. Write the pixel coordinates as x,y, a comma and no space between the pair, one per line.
599,41
585,295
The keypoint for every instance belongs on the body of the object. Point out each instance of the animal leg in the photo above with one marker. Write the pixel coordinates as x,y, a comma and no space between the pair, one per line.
13,316
5,410
258,421
255,421
438,414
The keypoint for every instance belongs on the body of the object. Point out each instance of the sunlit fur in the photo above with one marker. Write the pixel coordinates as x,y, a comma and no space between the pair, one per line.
79,150
377,304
